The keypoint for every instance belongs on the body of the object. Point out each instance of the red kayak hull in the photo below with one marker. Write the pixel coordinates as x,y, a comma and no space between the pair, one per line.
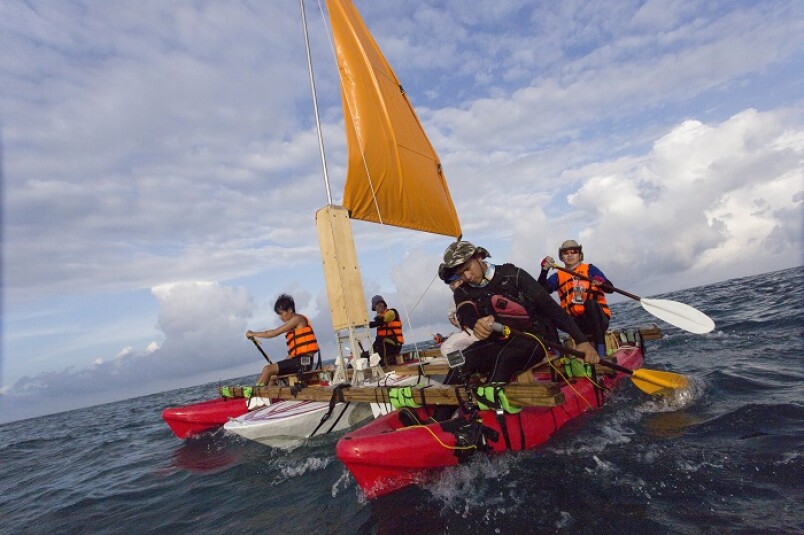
189,420
384,455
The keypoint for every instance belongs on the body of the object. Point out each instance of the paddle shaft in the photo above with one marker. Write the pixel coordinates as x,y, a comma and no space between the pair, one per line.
562,348
582,277
256,343
682,316
603,362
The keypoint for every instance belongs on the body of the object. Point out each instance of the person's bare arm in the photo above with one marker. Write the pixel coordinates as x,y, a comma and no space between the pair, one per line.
293,323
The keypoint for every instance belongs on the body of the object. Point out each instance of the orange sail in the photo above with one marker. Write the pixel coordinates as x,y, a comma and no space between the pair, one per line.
394,176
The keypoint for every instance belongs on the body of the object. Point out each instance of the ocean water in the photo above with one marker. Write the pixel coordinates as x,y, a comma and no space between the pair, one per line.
726,457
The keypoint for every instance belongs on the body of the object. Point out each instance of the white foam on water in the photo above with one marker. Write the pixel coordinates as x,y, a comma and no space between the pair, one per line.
343,482
565,521
680,399
690,466
598,437
721,335
789,457
601,467
474,484
298,468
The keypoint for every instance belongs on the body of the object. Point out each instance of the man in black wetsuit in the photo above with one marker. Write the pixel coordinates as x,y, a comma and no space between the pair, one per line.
509,295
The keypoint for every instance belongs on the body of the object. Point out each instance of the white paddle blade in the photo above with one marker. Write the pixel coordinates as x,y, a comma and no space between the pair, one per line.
682,316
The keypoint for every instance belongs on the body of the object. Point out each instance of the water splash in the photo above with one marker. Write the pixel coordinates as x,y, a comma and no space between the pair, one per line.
342,482
678,400
295,468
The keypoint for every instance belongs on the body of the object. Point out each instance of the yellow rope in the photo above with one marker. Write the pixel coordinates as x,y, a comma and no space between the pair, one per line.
558,371
440,442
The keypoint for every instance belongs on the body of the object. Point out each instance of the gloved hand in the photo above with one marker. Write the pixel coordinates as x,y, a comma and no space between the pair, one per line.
547,262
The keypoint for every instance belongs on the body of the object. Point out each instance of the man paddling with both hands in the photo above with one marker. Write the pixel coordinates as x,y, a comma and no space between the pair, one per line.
581,296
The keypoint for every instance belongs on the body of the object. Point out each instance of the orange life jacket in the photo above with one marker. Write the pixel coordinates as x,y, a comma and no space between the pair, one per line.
301,341
574,292
392,329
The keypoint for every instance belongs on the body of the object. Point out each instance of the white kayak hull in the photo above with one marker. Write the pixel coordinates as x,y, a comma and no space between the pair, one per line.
286,424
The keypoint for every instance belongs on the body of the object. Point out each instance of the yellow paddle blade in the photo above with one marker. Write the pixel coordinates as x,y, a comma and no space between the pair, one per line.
652,389
656,382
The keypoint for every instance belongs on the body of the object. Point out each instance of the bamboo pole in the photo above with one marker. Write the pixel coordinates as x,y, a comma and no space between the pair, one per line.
519,394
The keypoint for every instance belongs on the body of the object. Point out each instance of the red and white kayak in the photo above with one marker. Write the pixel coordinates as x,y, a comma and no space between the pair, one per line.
189,420
385,455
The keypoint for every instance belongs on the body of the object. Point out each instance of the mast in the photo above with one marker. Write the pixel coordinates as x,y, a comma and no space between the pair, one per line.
315,103
341,271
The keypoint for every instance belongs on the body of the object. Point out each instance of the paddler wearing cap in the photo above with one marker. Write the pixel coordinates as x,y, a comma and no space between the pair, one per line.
389,339
584,300
509,295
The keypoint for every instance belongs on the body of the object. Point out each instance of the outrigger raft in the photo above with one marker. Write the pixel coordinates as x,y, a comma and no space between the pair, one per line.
402,448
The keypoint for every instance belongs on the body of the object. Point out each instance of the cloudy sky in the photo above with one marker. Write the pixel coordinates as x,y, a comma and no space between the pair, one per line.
161,171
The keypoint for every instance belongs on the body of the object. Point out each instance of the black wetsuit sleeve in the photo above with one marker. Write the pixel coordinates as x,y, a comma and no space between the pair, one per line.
465,309
549,307
607,286
543,280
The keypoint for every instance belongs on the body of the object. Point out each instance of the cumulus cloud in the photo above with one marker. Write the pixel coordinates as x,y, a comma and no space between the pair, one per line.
203,324
704,201
129,128
714,199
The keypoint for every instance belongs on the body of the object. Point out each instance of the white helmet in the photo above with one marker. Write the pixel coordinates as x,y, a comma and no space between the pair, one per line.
569,244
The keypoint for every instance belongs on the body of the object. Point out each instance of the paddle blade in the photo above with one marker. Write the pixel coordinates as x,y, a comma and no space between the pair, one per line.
682,316
655,382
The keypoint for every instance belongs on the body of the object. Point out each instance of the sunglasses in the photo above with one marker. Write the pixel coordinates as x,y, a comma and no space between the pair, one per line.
571,251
